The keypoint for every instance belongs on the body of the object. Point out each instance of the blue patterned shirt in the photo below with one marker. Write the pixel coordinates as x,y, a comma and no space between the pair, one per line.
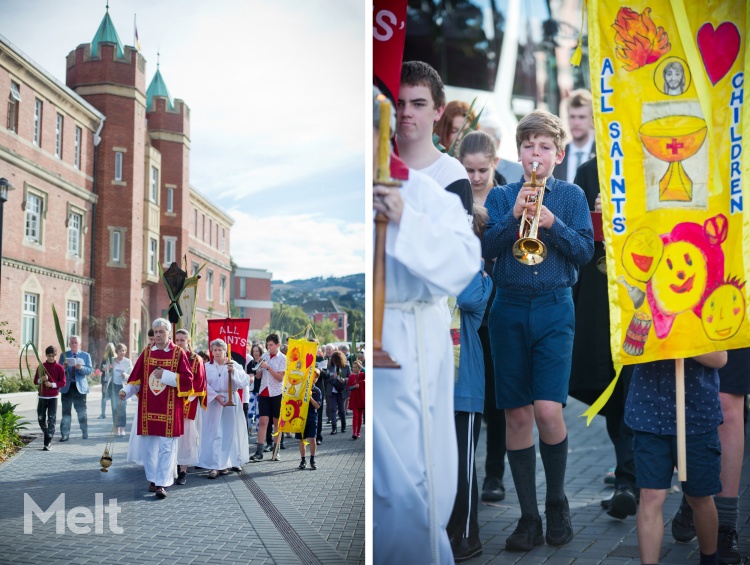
569,242
651,405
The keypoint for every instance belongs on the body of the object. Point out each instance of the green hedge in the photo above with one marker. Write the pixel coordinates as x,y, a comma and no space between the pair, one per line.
16,384
10,426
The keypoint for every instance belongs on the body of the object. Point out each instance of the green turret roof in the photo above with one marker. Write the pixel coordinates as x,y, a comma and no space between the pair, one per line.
157,88
106,34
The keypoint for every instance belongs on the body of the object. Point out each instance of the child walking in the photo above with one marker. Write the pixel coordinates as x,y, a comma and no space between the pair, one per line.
356,386
311,425
51,378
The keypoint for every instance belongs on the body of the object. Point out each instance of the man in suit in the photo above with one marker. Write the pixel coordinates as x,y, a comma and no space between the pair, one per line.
581,125
78,366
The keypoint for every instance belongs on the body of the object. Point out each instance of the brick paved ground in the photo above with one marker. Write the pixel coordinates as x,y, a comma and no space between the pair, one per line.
269,513
599,538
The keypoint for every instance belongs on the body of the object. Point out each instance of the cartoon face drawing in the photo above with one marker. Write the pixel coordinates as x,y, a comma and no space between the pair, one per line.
641,254
680,278
723,312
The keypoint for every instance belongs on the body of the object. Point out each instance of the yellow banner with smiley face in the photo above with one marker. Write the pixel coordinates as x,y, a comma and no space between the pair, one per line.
669,112
297,386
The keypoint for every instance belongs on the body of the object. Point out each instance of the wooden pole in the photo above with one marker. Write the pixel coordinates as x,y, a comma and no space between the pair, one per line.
381,359
680,398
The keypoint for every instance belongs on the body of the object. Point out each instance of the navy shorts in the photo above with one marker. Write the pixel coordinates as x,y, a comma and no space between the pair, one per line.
269,406
311,428
532,344
656,457
734,377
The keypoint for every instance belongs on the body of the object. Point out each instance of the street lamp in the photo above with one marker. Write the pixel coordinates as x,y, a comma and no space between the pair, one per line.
5,187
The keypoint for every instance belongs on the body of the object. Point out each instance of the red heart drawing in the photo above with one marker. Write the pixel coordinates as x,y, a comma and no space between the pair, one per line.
308,360
719,48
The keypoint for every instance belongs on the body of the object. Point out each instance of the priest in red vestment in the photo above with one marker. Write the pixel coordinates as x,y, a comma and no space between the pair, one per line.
163,381
188,446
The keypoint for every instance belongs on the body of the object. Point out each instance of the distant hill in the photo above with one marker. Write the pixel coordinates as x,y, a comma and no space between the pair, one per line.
348,291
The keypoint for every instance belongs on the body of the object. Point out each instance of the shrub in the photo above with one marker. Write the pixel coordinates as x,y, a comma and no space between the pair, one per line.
10,426
16,384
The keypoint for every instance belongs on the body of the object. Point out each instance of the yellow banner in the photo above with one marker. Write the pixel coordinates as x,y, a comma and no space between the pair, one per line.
668,87
300,363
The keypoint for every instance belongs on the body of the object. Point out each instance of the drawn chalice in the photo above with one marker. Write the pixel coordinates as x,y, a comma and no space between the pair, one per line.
674,139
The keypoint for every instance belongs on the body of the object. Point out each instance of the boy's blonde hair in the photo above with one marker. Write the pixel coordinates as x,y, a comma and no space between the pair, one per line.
480,217
541,122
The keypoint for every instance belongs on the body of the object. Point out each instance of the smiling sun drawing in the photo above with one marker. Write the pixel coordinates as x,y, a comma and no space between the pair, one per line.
724,310
680,277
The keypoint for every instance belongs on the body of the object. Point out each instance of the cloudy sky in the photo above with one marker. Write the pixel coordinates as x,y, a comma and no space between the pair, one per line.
277,94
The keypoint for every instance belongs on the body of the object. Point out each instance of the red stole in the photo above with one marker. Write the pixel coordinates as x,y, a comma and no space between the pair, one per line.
160,406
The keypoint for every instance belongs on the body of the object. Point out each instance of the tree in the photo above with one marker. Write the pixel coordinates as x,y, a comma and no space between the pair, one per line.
356,324
288,320
324,331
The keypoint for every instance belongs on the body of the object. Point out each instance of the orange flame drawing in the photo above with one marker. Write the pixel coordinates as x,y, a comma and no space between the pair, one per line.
638,41
294,355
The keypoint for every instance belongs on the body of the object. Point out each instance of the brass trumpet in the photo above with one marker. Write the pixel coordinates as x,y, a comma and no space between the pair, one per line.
528,249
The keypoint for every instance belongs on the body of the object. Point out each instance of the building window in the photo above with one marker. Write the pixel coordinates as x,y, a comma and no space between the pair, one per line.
210,285
170,199
210,230
170,247
59,137
217,236
222,289
34,218
152,252
195,222
38,122
341,322
243,287
71,318
118,165
203,228
153,194
30,317
75,223
77,156
115,254
14,100
195,269
223,241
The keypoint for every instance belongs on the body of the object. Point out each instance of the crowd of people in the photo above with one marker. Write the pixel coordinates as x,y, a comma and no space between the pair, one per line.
531,334
194,409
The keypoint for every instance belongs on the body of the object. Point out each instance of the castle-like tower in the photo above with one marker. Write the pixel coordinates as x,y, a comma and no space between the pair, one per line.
112,79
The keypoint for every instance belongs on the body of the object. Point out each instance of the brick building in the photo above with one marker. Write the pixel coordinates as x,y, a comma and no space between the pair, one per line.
102,194
328,309
251,294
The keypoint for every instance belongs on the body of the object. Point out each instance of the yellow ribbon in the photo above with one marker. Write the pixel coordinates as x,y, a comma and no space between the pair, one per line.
575,58
603,398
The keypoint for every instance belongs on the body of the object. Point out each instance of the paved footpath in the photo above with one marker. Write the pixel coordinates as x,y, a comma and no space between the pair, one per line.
599,538
271,512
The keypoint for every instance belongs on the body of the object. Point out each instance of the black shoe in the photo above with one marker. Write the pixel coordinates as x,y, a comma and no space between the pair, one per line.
313,466
46,447
101,417
64,438
302,465
728,545
320,439
683,528
493,490
343,429
236,469
465,550
559,529
333,432
161,492
282,446
85,435
623,504
605,503
257,457
268,448
528,533
181,478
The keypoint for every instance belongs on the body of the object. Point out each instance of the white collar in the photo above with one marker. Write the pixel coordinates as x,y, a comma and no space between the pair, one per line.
167,348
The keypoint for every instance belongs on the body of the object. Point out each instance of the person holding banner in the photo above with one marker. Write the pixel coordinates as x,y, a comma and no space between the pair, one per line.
311,425
162,380
188,446
269,397
532,324
415,455
651,414
223,430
